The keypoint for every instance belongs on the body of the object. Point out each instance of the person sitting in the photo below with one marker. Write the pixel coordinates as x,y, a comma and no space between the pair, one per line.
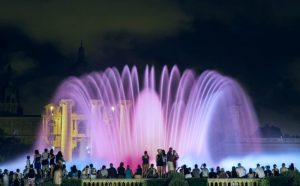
268,172
233,173
188,173
218,170
121,170
241,171
151,173
74,172
275,170
212,173
283,169
223,174
291,167
138,172
103,172
204,171
251,174
112,172
196,172
128,173
93,172
85,172
259,172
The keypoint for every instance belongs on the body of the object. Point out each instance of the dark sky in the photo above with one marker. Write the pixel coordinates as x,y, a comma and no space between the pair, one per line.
256,42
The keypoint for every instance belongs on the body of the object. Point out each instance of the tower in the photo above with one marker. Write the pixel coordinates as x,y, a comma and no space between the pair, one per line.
81,54
80,64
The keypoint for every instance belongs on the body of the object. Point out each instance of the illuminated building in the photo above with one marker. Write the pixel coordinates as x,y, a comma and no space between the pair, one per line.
65,130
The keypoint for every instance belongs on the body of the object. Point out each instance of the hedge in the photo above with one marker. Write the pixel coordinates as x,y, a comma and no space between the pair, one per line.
67,182
156,182
290,178
197,181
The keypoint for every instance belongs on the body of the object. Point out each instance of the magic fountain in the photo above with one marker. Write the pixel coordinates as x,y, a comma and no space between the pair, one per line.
113,116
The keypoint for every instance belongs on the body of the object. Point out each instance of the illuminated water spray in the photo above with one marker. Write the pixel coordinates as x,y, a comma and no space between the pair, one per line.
202,117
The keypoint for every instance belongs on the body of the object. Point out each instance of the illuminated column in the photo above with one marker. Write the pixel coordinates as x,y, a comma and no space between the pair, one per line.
95,117
125,127
66,128
47,117
124,113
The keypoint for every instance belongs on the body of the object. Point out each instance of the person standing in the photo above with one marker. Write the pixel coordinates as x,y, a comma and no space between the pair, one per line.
45,163
52,162
164,167
170,160
145,159
175,158
159,162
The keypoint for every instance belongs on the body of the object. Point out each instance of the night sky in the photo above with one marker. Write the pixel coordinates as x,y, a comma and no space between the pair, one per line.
256,42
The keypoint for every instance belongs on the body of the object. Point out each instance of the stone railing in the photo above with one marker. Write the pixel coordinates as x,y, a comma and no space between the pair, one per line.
233,182
114,182
142,182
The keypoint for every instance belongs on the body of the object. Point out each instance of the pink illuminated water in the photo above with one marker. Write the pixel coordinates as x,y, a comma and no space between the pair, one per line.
201,116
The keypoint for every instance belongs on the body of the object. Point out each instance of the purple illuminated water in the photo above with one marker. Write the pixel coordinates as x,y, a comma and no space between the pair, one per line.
201,116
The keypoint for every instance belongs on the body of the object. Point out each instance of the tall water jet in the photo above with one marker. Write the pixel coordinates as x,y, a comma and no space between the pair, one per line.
202,117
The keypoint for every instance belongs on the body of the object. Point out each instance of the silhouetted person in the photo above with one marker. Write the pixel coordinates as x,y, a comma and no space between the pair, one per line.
59,158
212,173
233,172
251,174
268,172
104,172
259,172
152,173
37,160
275,170
196,172
159,162
204,171
175,158
145,159
292,167
138,172
128,173
170,160
112,171
52,162
121,170
283,169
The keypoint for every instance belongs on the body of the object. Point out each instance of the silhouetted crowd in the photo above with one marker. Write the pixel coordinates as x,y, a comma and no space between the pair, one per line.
43,167
51,167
